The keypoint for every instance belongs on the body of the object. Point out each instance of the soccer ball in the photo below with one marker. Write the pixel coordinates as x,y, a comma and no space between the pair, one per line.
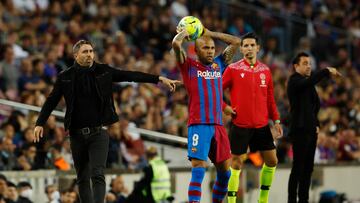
193,26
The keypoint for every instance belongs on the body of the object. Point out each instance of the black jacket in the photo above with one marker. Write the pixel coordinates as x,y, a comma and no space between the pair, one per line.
304,101
105,76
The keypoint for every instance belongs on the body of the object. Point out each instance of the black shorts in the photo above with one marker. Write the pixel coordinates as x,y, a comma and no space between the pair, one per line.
258,139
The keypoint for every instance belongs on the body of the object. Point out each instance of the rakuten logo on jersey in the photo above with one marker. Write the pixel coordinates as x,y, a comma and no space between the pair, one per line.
208,74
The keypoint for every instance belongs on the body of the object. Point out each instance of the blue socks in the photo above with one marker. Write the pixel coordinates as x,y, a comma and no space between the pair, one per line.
194,192
221,186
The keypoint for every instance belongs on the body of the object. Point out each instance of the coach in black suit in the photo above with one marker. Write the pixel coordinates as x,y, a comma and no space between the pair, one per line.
87,89
304,124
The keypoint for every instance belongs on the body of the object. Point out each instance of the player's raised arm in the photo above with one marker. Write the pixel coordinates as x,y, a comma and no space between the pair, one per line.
177,42
232,41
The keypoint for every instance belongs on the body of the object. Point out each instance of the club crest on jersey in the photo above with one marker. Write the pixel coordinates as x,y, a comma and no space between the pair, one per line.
214,66
242,75
262,80
193,149
208,74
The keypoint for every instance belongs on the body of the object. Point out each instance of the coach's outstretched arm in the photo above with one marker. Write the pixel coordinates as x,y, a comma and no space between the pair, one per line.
232,41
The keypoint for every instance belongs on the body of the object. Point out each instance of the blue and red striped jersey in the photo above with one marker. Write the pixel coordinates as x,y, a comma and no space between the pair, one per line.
203,84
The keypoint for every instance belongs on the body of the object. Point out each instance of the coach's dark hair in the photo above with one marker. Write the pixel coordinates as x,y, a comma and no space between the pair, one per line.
249,35
79,43
296,59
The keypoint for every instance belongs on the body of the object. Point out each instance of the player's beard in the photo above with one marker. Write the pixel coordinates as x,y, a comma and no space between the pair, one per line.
209,59
206,60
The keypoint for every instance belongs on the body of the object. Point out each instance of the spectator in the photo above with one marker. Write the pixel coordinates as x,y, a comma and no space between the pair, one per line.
25,192
179,9
27,136
58,160
51,67
66,152
7,155
12,192
3,186
239,27
9,72
12,39
2,199
39,71
52,194
18,121
68,196
28,81
118,191
349,147
114,154
132,146
26,161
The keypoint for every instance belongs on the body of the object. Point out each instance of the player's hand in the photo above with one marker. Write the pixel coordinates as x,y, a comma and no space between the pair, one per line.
279,130
229,111
38,133
334,72
180,29
171,84
184,31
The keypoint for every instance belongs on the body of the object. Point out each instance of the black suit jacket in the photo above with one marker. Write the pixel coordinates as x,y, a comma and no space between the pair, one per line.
104,77
304,101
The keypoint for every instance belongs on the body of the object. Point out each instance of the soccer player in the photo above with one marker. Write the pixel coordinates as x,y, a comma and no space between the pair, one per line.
206,135
252,105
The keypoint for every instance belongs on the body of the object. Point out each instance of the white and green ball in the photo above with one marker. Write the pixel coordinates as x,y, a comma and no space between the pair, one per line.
193,26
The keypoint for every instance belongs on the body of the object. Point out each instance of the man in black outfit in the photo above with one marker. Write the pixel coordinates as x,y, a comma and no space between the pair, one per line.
87,89
304,124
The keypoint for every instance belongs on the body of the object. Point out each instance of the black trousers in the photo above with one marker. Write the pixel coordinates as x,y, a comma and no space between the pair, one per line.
90,153
304,146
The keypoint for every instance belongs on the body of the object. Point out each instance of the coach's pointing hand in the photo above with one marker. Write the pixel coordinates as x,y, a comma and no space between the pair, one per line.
334,72
38,133
171,84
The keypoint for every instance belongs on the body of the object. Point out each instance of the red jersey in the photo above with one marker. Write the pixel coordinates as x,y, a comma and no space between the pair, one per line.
203,85
251,94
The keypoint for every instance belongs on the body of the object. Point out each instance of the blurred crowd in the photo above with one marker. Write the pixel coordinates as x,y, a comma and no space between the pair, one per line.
23,192
36,38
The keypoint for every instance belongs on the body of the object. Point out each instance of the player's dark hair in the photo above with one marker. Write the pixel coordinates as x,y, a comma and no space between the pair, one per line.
79,43
249,35
296,59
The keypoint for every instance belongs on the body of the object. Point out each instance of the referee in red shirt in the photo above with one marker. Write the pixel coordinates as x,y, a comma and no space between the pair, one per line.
252,105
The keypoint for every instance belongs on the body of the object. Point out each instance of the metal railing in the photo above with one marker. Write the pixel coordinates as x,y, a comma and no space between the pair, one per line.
147,133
